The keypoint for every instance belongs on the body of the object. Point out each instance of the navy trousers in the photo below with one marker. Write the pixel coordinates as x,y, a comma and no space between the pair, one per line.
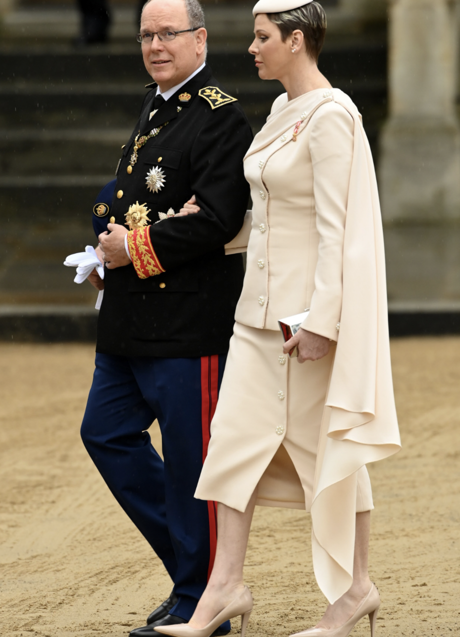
127,395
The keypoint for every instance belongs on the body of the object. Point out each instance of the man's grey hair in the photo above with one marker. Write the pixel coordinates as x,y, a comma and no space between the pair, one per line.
195,13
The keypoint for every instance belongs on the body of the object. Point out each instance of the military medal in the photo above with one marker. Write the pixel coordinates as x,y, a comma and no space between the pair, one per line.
137,216
140,142
155,179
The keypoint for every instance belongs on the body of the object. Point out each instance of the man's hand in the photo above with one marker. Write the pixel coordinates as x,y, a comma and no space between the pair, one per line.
96,280
311,346
94,277
113,246
189,208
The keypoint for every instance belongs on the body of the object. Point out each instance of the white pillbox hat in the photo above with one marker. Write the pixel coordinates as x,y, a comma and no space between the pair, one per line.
277,6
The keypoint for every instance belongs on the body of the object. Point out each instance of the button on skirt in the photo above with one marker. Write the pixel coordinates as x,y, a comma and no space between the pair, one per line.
265,432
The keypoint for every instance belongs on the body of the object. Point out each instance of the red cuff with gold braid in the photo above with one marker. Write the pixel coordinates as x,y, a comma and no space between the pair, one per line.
142,253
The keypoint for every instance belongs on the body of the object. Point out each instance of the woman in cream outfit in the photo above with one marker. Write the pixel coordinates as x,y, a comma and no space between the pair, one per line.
300,435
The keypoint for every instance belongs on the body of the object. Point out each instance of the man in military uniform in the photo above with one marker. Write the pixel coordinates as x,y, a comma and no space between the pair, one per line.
169,298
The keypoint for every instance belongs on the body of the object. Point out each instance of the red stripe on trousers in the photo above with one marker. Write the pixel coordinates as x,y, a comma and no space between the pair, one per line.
209,393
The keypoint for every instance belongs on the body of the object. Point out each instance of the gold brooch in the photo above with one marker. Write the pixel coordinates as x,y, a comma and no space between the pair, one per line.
137,216
155,179
185,97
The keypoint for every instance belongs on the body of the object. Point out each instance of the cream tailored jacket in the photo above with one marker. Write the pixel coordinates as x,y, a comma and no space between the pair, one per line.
316,241
299,190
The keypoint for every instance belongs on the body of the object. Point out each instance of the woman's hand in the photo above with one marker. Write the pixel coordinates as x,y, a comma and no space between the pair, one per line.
311,347
189,208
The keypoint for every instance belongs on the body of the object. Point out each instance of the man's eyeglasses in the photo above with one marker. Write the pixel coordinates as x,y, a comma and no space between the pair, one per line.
163,36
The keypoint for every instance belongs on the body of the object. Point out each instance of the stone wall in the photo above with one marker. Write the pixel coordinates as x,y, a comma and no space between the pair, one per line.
420,160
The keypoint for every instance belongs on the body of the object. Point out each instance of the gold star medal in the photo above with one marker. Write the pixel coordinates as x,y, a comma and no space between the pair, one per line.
137,216
155,179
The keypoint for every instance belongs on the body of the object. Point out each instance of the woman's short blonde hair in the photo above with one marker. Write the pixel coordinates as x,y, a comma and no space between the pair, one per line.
311,19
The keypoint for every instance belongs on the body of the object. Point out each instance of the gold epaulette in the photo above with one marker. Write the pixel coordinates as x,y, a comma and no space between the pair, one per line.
216,97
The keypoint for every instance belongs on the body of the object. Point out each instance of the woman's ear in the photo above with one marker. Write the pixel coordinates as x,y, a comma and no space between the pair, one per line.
297,39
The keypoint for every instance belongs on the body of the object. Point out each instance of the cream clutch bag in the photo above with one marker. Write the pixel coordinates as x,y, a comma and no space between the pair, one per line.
289,327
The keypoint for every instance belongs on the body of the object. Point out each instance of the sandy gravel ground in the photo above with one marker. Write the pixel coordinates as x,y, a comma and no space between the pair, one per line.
72,564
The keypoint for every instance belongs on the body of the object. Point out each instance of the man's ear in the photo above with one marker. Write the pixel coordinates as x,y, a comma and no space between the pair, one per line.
201,36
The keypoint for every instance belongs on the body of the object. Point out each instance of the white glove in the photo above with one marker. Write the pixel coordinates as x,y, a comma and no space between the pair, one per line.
85,262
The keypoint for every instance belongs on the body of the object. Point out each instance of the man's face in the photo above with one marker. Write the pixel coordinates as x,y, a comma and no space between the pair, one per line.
170,63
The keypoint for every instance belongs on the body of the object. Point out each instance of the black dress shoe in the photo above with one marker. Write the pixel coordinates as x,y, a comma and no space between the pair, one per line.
148,631
169,620
162,610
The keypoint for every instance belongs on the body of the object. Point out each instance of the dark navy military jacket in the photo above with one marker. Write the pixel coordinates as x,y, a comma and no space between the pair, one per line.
187,311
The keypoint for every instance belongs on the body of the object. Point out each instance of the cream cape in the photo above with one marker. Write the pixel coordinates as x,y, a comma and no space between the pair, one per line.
359,423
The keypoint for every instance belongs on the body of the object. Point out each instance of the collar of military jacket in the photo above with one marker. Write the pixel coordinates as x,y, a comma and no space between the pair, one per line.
169,111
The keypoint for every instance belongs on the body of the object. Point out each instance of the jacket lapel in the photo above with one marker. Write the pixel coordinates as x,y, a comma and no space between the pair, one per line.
169,111
164,114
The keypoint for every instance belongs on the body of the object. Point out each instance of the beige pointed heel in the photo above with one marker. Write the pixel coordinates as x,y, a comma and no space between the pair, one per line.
369,606
373,620
245,621
242,605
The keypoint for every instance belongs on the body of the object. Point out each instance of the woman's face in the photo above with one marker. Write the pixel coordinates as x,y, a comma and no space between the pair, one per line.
272,55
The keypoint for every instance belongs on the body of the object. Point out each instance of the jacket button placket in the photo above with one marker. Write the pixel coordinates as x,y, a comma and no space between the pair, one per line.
282,395
262,262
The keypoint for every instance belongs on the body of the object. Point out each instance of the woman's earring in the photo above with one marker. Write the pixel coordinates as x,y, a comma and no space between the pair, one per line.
292,50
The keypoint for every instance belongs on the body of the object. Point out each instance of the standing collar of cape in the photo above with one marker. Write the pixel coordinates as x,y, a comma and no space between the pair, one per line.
288,113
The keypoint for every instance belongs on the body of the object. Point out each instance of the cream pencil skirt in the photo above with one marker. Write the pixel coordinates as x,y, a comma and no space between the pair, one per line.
265,432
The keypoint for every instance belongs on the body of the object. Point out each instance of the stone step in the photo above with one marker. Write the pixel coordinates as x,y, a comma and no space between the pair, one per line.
227,22
61,132
58,153
32,256
61,66
49,200
62,24
34,106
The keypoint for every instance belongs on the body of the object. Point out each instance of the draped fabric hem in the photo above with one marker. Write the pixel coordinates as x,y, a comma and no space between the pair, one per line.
359,423
334,569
